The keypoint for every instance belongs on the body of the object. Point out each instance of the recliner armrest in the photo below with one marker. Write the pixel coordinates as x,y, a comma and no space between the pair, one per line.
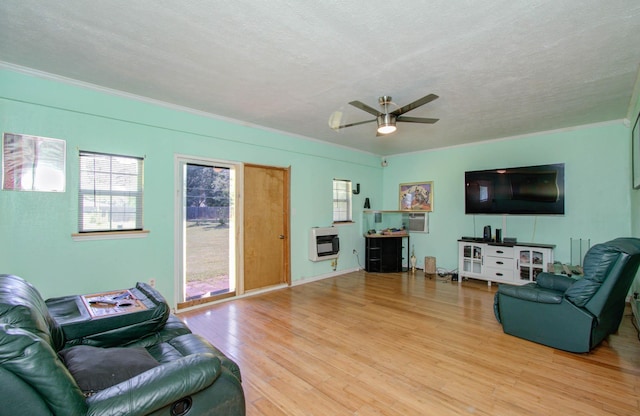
554,281
531,292
111,330
173,328
158,387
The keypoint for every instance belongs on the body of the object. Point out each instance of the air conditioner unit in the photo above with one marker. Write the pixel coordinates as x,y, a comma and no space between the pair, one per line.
416,222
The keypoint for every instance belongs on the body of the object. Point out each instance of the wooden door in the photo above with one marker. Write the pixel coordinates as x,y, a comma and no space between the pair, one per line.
266,226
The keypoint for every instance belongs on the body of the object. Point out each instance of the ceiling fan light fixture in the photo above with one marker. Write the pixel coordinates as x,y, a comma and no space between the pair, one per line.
386,123
386,129
386,119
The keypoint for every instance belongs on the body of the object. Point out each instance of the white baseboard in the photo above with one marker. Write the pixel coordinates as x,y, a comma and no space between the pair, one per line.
268,289
322,276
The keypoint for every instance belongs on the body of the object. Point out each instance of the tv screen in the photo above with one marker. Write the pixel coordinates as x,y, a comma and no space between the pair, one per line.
527,190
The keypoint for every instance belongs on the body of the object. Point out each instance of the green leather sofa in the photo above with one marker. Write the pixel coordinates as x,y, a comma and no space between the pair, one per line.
55,360
573,314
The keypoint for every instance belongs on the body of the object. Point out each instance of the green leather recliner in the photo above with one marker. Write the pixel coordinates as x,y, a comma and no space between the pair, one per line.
56,361
569,314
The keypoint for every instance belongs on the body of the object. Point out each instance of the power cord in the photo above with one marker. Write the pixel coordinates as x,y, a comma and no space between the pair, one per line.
444,275
440,271
358,258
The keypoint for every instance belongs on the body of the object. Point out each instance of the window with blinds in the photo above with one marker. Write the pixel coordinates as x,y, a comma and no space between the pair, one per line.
110,192
341,200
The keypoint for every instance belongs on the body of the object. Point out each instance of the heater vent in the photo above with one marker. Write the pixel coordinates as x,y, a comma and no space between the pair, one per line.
324,243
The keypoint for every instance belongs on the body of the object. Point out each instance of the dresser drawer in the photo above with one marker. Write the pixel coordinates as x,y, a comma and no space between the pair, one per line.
498,251
491,273
499,262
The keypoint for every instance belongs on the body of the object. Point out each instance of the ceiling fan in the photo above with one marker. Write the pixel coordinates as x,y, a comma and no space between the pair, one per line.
387,119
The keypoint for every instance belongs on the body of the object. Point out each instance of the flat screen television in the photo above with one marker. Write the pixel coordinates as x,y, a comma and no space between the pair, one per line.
527,190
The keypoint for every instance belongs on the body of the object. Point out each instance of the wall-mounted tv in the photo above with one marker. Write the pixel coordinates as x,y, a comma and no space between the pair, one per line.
527,190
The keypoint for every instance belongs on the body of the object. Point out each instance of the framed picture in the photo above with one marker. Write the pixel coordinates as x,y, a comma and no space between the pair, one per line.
635,153
416,196
32,163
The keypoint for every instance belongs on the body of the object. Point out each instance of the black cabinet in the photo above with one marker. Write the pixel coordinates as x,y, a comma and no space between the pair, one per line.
384,254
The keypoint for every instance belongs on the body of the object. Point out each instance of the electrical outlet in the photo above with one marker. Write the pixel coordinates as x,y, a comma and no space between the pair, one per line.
152,282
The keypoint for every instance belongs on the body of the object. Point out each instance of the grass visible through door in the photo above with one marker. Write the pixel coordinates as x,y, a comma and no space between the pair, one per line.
207,259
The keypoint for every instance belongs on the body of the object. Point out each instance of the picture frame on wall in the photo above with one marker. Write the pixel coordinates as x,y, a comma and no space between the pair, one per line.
635,153
33,163
416,196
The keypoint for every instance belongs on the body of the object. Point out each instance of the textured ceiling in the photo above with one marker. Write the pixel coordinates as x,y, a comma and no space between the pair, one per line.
501,67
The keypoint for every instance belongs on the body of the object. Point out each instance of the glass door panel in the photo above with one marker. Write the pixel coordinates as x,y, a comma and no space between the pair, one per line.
208,243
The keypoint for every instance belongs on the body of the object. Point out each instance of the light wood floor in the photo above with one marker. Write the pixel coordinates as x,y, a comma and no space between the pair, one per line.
396,344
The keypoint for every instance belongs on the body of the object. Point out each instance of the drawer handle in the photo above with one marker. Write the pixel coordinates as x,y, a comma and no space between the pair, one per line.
499,262
498,274
499,251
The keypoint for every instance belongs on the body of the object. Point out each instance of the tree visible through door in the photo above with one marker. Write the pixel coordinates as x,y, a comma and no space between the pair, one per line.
207,217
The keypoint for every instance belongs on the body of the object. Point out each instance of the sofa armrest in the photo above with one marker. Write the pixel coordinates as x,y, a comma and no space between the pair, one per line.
554,281
157,388
532,293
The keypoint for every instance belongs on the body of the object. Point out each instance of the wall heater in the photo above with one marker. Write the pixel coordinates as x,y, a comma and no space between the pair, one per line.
324,243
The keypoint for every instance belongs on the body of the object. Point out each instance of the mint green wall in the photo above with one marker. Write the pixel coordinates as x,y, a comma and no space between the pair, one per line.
597,183
36,227
635,202
635,193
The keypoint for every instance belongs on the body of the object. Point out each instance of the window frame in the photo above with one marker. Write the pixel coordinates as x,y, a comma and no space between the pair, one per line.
137,193
339,202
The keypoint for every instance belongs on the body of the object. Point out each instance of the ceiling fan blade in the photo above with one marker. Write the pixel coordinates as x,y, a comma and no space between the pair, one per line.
353,124
417,103
362,106
417,120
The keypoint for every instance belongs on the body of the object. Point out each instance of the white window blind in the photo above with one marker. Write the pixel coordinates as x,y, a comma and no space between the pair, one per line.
341,200
110,192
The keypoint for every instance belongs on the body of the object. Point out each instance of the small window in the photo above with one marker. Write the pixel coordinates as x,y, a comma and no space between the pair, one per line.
110,193
342,200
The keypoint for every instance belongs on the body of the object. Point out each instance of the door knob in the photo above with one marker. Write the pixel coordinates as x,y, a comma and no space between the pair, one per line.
281,236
